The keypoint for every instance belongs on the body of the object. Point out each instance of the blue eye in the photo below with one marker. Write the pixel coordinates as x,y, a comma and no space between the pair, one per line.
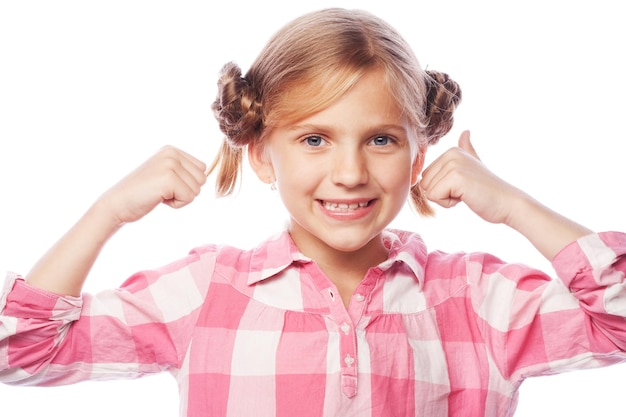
314,141
381,140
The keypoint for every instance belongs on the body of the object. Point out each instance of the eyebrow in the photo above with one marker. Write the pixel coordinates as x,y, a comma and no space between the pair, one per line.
371,129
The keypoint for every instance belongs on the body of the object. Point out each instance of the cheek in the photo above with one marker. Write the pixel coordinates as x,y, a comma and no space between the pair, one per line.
396,173
293,177
282,168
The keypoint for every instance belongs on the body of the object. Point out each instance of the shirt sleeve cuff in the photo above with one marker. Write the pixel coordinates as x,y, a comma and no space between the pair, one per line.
21,300
592,257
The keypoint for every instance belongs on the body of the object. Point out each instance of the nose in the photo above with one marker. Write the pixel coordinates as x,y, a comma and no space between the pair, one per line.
349,167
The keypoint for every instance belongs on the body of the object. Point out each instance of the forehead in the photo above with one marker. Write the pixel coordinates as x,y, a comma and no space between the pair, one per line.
307,97
368,101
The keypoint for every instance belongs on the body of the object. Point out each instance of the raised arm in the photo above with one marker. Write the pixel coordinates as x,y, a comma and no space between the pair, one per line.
459,175
171,177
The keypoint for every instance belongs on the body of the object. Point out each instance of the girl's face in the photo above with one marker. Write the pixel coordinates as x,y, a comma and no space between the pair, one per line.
345,172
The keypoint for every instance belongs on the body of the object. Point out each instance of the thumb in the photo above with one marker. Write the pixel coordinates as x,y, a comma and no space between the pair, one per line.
466,144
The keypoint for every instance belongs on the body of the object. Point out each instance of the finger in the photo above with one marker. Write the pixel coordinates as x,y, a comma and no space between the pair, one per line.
181,177
437,168
431,171
439,187
189,168
466,144
198,164
190,180
441,195
195,168
182,191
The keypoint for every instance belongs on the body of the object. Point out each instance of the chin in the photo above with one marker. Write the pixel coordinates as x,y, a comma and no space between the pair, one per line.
350,244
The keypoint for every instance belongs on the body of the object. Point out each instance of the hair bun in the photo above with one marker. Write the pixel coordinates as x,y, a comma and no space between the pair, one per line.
442,98
236,107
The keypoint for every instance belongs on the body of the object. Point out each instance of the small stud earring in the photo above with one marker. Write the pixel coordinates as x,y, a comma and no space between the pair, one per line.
273,186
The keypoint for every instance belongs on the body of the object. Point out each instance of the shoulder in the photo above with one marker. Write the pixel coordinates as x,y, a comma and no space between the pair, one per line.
465,268
248,265
406,246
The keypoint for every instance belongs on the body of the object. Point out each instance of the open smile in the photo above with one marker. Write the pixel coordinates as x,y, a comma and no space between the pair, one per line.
343,207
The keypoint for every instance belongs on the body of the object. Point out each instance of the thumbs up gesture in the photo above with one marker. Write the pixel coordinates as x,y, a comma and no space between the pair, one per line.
458,175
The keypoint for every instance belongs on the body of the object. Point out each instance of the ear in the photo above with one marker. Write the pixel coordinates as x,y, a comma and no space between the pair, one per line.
418,164
260,162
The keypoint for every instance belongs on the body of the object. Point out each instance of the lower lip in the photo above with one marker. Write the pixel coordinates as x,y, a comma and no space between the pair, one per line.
344,215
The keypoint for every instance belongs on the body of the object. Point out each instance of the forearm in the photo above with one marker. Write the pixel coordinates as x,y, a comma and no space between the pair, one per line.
547,230
171,176
64,268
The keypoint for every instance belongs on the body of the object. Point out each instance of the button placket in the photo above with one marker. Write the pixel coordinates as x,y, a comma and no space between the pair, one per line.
346,321
347,345
349,365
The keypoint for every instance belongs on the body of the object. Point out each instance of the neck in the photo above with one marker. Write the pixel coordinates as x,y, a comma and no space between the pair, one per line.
345,269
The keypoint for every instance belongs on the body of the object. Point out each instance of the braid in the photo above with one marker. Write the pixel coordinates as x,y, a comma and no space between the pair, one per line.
236,107
442,98
238,113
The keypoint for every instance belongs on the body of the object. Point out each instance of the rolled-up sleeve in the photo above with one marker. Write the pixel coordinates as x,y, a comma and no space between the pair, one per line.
143,327
537,325
594,270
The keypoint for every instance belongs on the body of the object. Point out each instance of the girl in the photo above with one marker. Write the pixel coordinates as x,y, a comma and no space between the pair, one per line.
337,315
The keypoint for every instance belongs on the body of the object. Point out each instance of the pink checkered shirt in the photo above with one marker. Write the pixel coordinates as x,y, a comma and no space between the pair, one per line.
265,333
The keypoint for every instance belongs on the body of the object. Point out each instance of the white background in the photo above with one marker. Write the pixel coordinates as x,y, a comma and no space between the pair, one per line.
88,90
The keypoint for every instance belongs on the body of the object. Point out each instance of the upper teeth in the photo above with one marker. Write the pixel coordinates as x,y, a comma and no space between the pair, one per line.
344,206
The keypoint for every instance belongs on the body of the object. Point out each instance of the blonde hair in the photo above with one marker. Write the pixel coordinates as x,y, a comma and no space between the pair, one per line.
309,64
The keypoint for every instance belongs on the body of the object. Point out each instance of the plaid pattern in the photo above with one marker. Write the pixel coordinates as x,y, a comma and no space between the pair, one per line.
265,333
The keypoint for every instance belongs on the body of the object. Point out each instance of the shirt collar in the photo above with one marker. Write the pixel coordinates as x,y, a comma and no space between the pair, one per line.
407,248
273,256
279,252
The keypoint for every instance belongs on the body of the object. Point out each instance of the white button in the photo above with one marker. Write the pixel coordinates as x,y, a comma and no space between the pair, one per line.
345,327
359,297
349,360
